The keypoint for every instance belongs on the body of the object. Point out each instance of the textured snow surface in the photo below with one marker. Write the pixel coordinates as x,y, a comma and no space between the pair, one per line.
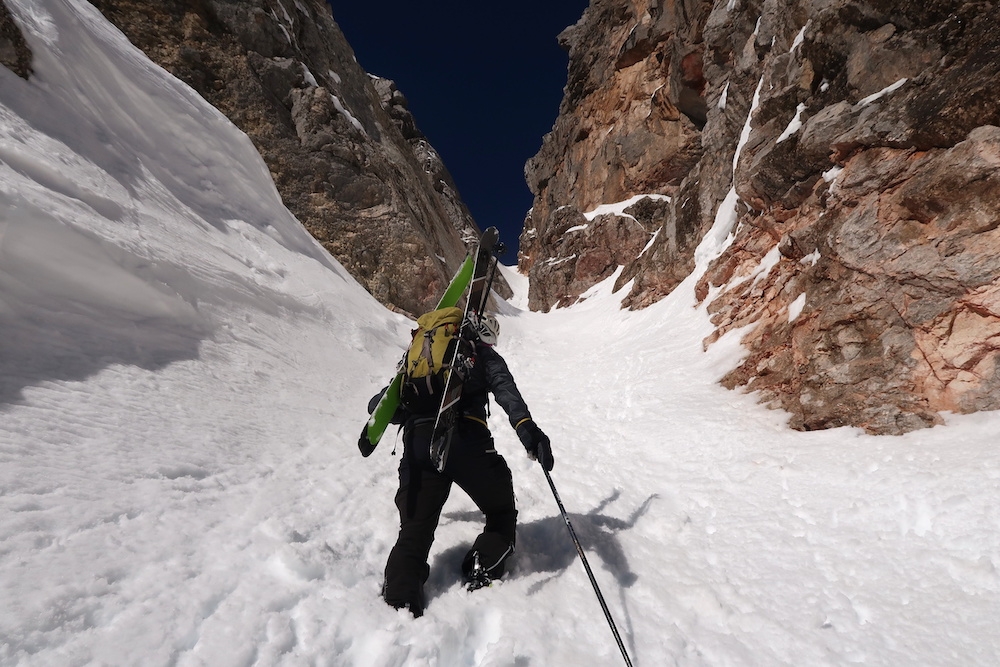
184,374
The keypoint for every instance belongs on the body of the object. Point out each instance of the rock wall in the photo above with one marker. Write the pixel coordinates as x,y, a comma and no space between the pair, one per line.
882,212
14,52
342,147
629,123
855,245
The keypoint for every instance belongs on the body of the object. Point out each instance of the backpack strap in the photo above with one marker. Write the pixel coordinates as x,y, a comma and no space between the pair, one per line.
428,335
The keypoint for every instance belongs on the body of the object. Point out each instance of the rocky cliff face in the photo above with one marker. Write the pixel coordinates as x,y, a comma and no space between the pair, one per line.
856,240
629,124
14,52
342,147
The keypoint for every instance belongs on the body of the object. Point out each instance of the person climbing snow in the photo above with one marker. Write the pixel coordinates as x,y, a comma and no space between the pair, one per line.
473,463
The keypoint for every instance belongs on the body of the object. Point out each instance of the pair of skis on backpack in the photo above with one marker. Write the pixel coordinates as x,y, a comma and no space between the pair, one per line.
475,275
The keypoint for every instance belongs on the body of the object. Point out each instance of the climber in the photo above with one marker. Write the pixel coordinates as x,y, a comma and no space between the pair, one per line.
473,464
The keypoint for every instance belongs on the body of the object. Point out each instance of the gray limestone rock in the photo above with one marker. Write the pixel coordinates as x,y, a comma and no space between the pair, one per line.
348,160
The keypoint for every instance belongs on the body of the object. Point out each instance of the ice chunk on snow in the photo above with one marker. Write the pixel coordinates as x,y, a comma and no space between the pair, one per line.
308,76
347,114
811,258
795,125
882,93
799,38
795,307
649,243
768,262
618,208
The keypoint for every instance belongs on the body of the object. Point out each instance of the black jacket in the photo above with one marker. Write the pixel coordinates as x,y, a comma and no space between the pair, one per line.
489,374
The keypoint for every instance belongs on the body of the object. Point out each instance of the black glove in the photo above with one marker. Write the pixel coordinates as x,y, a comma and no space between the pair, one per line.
537,444
373,403
398,417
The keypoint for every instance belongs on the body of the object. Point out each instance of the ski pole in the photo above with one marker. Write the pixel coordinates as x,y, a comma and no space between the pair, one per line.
586,565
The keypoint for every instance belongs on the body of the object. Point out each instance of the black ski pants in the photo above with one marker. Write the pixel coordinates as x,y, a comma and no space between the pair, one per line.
475,466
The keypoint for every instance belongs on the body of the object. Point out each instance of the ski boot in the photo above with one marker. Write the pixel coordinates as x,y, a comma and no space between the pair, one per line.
477,577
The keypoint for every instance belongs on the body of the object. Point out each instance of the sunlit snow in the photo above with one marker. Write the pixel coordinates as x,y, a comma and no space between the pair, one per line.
882,93
618,208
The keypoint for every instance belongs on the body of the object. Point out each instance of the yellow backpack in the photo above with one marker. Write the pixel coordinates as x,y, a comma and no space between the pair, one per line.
428,359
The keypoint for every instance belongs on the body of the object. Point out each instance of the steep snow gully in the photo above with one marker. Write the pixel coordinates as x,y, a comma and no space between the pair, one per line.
184,373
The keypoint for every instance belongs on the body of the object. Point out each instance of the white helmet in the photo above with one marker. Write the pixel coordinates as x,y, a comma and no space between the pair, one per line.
488,329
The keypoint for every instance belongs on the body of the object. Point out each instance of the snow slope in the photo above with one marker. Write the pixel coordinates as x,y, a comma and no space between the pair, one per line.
183,376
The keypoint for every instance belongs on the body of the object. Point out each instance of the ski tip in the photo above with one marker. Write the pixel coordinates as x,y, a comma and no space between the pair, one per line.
364,444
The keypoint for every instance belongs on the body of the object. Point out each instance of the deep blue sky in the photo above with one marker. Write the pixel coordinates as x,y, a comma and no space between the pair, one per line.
484,82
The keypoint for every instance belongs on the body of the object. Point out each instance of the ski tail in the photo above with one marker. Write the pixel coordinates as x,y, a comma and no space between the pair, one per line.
380,418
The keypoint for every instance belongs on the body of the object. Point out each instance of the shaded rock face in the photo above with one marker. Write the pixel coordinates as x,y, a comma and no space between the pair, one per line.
343,150
14,52
862,269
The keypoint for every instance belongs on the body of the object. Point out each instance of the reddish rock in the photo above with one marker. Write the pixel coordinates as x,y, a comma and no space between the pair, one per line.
628,125
863,274
898,263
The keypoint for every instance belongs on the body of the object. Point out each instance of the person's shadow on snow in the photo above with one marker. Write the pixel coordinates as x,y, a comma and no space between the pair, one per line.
545,546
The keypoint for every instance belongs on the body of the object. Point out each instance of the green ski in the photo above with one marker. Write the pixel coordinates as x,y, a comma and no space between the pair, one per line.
475,305
386,408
